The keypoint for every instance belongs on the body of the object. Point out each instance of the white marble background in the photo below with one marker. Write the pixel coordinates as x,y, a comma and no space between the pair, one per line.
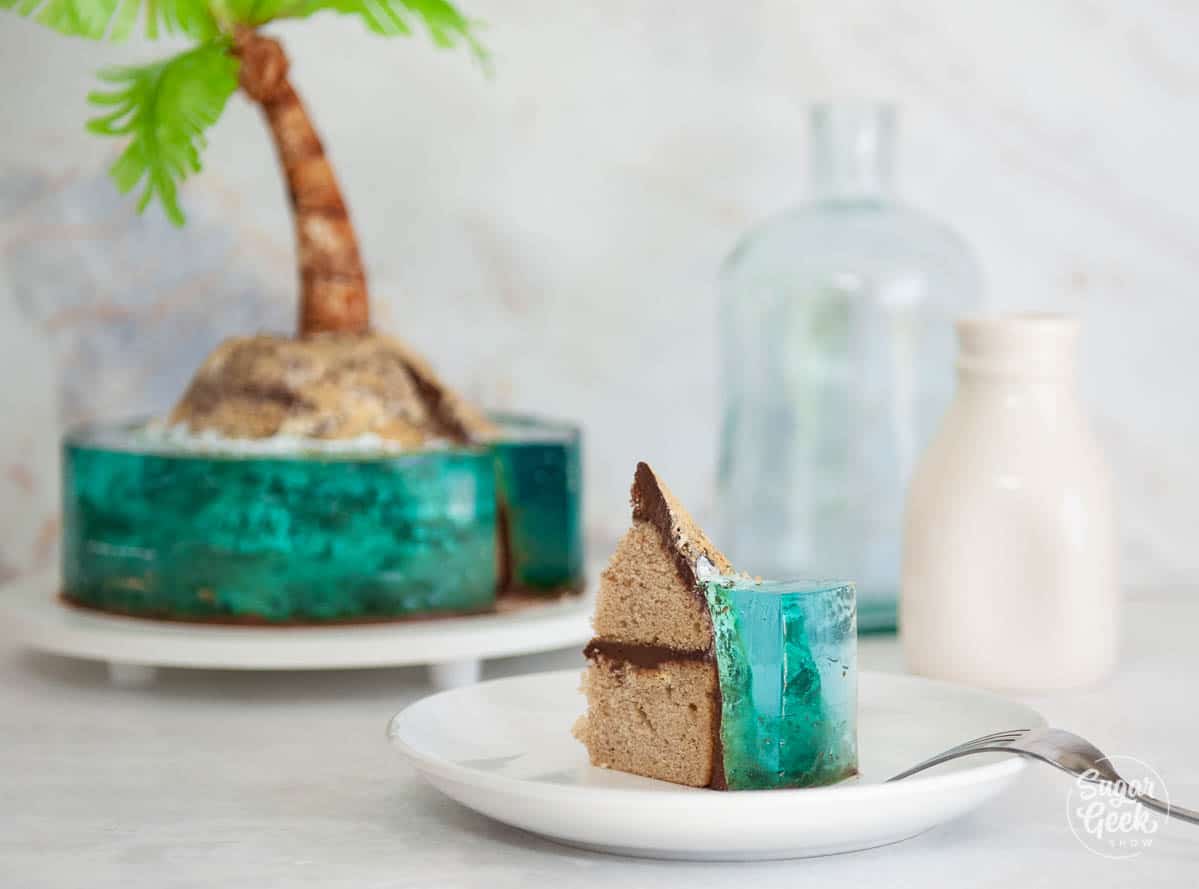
551,236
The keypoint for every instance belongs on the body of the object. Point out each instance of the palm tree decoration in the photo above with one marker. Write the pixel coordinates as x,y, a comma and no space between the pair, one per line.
164,109
337,379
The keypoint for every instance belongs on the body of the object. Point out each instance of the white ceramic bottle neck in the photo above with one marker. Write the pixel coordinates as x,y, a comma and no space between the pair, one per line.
1017,349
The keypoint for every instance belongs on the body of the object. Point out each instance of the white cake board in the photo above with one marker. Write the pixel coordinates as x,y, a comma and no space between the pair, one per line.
453,648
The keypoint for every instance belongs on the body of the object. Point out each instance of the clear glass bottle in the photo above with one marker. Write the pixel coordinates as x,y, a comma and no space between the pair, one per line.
837,319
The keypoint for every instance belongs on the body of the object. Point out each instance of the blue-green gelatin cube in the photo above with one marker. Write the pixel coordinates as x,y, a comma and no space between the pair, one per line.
786,653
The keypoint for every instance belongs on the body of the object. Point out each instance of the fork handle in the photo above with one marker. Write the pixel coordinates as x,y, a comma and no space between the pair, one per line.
1188,815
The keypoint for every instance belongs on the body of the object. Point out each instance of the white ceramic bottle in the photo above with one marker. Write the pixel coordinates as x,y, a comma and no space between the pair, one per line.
1009,562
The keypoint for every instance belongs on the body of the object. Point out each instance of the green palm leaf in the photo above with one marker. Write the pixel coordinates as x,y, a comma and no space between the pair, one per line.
165,108
446,25
114,19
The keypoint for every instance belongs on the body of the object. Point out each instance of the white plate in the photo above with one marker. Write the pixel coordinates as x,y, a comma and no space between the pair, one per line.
453,646
504,748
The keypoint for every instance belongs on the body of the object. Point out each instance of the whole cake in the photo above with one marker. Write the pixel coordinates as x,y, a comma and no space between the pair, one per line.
329,478
704,677
325,476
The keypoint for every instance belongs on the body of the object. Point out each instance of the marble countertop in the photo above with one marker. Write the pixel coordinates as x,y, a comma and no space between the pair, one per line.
285,780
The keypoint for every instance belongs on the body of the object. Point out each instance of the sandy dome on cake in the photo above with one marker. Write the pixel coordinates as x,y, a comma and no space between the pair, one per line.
326,386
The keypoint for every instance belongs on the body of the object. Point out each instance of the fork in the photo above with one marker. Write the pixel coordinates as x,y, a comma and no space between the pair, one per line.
1063,750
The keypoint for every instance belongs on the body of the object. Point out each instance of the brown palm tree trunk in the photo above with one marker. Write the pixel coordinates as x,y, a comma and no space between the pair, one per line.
333,294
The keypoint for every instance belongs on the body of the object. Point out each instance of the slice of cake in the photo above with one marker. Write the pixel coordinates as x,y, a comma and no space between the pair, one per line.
702,677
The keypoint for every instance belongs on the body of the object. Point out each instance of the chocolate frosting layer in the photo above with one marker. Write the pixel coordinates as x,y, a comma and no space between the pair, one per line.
648,656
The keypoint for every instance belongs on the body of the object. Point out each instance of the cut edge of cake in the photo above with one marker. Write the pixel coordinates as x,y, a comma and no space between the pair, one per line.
652,685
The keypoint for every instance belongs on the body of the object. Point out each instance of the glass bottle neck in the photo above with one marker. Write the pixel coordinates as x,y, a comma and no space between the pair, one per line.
851,148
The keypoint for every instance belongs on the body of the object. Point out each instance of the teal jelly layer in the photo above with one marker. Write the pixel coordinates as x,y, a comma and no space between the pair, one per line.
540,477
786,654
279,539
159,532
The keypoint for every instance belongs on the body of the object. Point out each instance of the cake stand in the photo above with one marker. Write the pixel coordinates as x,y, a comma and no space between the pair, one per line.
132,648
